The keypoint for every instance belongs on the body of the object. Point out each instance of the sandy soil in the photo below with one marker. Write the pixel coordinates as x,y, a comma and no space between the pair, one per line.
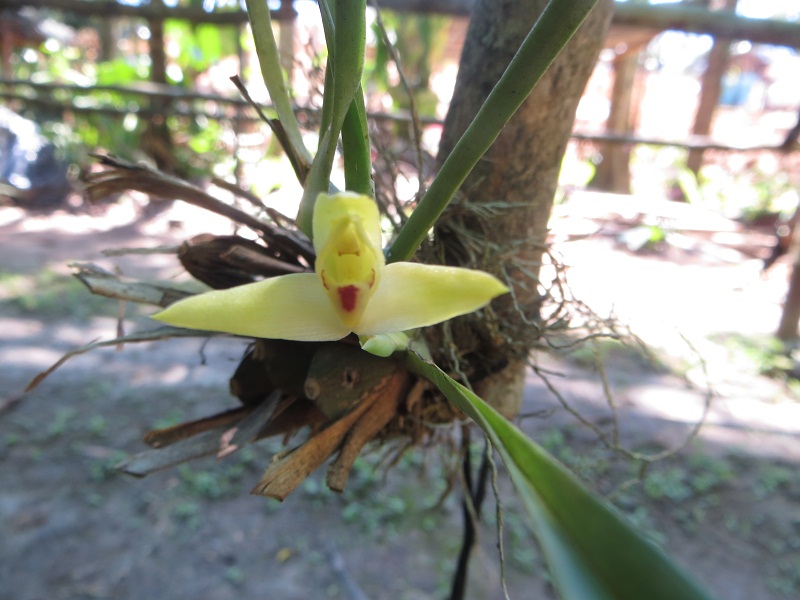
727,507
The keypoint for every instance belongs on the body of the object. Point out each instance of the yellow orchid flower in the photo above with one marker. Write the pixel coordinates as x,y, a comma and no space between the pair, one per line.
352,290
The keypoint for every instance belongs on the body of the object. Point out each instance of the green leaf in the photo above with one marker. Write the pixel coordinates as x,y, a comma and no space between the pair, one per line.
267,51
593,553
346,61
356,148
560,19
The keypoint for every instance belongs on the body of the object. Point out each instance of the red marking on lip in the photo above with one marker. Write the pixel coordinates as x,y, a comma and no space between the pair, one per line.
348,296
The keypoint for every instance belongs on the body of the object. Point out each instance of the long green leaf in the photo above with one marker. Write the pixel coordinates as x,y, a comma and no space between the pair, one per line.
560,19
268,58
356,148
346,60
592,551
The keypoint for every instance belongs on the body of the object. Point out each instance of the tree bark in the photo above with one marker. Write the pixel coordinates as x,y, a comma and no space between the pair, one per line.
499,221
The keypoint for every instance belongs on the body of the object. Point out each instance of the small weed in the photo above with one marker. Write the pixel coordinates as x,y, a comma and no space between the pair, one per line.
313,489
671,483
106,468
732,523
220,481
209,485
94,499
520,548
382,516
608,350
591,465
708,473
785,578
701,476
763,354
97,425
11,438
187,512
61,422
376,506
770,479
174,417
51,295
235,576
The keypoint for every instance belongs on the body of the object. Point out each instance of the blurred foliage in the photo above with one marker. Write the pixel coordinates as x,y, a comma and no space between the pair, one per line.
120,119
420,41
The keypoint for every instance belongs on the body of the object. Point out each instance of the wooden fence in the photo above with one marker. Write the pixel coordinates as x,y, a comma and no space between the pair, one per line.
159,99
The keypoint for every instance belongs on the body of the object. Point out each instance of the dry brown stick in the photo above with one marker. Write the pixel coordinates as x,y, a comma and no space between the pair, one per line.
161,333
122,176
102,283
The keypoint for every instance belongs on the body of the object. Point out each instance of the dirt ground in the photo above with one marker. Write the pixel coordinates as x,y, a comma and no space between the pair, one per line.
727,507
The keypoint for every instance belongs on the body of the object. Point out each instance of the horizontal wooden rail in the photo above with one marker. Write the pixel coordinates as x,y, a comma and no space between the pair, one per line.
42,96
693,143
724,24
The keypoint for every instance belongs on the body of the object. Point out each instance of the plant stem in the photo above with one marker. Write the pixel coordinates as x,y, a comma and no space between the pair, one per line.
346,61
267,50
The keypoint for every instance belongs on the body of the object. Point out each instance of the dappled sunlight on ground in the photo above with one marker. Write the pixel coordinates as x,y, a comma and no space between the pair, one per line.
689,302
64,439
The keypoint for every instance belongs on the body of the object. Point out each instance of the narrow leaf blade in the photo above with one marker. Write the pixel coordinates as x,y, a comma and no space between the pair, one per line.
268,58
592,551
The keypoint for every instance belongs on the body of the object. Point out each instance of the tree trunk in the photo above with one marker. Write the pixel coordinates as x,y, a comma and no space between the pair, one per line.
499,222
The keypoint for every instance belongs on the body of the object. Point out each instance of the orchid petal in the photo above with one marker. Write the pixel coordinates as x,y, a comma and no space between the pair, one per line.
330,210
289,307
411,295
385,344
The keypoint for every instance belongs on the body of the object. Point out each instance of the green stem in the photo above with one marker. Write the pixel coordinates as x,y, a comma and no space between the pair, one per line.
347,63
356,149
555,27
268,58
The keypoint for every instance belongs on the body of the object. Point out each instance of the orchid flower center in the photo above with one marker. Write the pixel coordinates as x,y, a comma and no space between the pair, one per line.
348,266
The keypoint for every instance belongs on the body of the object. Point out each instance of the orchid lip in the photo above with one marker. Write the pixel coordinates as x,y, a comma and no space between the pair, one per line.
348,296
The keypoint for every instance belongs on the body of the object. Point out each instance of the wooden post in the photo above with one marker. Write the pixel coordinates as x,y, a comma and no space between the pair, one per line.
613,173
790,317
157,139
710,89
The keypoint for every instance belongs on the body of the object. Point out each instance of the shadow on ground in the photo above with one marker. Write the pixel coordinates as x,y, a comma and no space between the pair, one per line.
727,506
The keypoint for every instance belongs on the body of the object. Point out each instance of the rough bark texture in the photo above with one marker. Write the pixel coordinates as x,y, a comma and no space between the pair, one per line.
500,221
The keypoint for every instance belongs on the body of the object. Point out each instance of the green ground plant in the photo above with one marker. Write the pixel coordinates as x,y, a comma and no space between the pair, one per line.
51,295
